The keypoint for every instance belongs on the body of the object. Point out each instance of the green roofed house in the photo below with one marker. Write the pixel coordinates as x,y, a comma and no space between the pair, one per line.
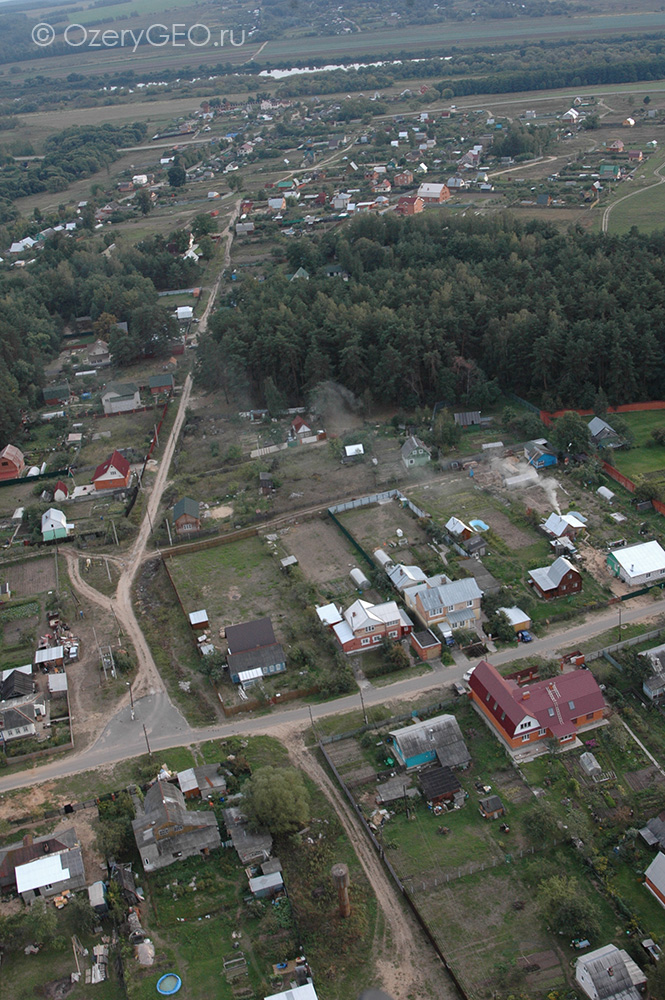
187,516
610,171
160,383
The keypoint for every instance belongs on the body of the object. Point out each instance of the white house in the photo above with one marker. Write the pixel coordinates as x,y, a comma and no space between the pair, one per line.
54,525
119,397
638,565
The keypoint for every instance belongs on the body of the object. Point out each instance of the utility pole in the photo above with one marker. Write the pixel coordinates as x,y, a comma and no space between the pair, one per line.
108,571
168,528
156,436
146,740
362,702
131,699
57,581
115,533
620,620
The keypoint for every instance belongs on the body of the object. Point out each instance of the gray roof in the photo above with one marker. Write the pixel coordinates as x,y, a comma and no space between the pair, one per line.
549,577
450,593
16,685
656,827
124,389
261,657
251,846
186,506
412,443
598,426
250,635
440,733
492,803
164,829
610,976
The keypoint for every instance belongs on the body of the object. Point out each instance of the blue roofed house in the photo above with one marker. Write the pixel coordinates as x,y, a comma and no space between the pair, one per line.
439,738
539,454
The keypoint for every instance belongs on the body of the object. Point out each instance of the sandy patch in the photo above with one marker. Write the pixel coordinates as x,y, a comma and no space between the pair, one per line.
220,512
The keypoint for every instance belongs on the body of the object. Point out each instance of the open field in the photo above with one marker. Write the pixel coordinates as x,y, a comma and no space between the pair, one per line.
645,456
324,554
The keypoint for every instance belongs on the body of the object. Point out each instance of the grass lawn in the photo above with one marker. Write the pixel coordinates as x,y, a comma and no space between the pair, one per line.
643,457
644,209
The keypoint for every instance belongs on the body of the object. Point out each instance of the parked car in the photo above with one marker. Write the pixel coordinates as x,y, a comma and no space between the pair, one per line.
524,636
467,675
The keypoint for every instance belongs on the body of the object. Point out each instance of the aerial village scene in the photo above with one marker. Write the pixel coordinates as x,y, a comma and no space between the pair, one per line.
332,502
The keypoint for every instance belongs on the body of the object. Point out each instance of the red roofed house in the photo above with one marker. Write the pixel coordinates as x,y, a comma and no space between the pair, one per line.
61,491
113,474
556,708
410,205
12,462
300,428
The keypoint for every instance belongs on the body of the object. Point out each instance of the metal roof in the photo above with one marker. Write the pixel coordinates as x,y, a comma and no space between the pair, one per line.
450,593
186,506
198,617
636,560
42,872
440,733
515,615
49,654
549,577
250,635
306,992
656,872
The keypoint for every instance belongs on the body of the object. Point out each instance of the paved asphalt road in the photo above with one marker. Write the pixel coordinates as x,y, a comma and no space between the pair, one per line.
124,737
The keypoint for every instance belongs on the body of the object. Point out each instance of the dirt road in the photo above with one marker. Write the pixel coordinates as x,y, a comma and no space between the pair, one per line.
148,679
405,962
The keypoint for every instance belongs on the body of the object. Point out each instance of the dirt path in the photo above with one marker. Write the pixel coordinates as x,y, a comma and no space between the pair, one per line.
148,679
405,963
228,232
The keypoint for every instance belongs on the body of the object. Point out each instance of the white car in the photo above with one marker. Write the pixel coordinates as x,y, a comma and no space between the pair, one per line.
467,675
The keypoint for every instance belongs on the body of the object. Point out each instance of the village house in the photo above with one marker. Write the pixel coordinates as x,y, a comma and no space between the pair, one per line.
616,146
166,831
550,709
458,529
29,849
60,491
300,427
55,395
99,354
635,155
160,384
12,462
561,579
491,807
202,781
403,179
433,194
251,846
415,452
609,973
654,878
653,686
253,651
402,577
187,516
563,525
638,565
113,474
441,785
54,525
119,397
365,625
539,454
17,721
517,618
43,867
421,742
457,604
412,205
602,435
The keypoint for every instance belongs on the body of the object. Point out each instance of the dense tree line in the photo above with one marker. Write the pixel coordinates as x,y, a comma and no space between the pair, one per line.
448,309
80,151
69,280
